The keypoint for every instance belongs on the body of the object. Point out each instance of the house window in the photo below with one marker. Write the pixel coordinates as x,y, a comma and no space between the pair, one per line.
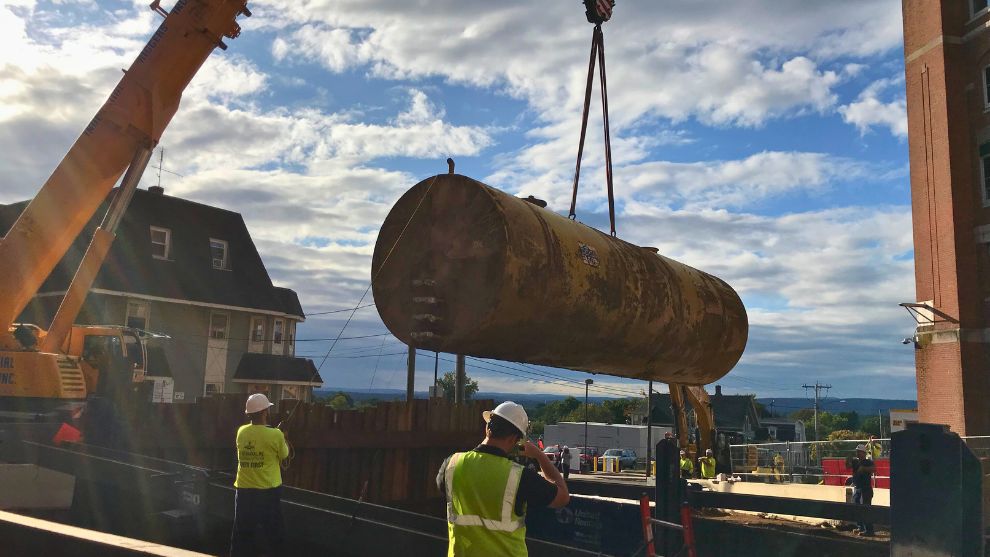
218,326
213,389
978,6
291,338
292,392
277,331
257,329
161,243
985,177
218,253
137,315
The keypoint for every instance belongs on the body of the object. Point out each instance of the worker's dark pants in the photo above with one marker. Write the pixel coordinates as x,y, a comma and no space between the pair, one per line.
256,509
566,470
861,497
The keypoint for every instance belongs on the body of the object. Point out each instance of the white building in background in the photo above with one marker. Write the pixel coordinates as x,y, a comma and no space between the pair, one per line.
899,419
603,436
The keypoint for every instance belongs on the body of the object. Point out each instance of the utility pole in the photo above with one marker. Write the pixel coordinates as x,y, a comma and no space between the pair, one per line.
587,384
649,426
411,374
818,388
459,381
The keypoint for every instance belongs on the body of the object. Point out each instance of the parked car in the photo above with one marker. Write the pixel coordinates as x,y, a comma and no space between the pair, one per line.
627,457
587,454
553,453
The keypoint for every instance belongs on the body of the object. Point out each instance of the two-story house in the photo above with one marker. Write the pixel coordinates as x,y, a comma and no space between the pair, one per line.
189,271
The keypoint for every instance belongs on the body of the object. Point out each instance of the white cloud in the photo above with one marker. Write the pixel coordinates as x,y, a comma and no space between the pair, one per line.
868,110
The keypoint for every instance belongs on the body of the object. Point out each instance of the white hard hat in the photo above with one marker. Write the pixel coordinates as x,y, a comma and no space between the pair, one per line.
708,451
861,448
682,452
256,403
511,412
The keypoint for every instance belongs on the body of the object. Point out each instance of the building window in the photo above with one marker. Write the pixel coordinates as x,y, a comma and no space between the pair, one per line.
213,389
277,331
218,253
292,392
257,329
985,175
977,6
161,243
290,333
137,315
218,325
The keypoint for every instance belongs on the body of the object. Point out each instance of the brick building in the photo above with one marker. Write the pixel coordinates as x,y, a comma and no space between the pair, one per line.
947,70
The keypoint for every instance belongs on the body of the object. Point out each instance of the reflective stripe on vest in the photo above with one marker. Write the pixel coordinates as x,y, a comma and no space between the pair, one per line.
506,523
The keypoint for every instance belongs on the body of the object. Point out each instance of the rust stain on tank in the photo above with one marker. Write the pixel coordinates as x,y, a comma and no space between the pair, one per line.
477,271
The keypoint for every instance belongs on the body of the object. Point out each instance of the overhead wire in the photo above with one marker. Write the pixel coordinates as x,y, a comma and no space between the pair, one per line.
429,189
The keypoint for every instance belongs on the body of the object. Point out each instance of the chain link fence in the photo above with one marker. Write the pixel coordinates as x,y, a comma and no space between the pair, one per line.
820,462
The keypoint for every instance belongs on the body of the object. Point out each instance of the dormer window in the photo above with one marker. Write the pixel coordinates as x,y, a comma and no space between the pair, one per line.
218,253
161,242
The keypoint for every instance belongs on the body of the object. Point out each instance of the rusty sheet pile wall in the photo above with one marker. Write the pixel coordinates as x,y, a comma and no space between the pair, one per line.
394,448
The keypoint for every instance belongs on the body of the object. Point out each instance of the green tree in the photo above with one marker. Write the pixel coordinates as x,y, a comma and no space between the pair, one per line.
596,413
871,425
340,401
447,385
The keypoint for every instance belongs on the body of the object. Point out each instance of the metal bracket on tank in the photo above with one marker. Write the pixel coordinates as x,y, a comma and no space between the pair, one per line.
429,320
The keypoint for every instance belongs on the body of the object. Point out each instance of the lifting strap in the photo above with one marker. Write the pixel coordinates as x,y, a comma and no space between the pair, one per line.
597,51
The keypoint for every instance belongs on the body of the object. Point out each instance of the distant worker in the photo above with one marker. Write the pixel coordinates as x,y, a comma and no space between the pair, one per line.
706,465
778,467
687,467
668,435
862,481
565,461
873,448
576,459
258,486
488,494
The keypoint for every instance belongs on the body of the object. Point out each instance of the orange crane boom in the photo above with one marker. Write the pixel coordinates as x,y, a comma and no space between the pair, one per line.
132,120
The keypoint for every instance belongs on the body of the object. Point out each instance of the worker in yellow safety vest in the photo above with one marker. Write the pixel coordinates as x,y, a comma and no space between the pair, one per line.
488,494
687,467
707,465
258,485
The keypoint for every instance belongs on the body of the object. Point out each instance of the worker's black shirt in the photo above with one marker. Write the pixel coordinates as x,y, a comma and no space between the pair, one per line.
534,489
863,474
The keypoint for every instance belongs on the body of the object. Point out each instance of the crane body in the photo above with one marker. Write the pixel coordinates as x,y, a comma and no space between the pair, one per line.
120,137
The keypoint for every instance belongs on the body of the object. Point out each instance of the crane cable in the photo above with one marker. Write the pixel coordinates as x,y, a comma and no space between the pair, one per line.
597,52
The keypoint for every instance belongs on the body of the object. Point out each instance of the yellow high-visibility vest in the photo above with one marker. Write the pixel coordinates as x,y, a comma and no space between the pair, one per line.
481,500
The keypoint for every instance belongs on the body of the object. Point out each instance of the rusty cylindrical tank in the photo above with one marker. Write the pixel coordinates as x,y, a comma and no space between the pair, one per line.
460,267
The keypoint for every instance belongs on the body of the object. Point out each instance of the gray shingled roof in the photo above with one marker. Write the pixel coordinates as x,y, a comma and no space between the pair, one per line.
189,275
268,368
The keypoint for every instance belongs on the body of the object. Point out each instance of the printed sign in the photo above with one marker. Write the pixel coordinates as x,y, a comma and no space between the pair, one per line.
588,255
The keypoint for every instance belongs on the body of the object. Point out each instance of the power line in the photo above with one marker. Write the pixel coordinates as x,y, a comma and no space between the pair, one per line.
817,387
338,310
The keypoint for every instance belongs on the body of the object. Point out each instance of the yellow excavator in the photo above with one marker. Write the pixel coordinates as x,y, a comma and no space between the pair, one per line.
697,397
63,362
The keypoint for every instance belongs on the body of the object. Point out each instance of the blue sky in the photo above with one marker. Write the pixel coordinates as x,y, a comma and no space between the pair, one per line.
761,141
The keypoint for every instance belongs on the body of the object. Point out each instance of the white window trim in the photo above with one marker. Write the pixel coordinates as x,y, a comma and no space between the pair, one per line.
168,242
208,383
225,262
275,323
147,312
257,346
226,330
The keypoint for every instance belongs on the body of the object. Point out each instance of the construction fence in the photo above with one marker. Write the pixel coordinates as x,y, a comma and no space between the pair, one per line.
820,462
389,453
